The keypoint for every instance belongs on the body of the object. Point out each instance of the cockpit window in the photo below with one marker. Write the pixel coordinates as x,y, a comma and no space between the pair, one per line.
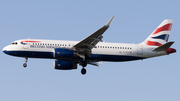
14,43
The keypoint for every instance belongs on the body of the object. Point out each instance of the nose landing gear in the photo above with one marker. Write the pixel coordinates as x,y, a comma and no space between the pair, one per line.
25,64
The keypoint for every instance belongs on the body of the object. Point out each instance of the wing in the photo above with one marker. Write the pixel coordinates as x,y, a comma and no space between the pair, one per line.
85,46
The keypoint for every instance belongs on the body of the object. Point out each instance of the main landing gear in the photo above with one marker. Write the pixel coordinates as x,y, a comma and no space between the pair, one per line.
25,64
83,70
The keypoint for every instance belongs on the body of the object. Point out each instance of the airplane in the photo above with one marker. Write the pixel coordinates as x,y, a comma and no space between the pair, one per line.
91,50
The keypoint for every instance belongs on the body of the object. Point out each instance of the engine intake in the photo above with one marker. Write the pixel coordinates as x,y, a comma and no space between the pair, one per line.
64,65
64,53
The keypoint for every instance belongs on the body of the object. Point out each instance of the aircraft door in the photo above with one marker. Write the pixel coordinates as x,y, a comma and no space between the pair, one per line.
139,49
26,45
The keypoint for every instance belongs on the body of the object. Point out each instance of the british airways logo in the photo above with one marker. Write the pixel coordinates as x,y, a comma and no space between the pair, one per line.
23,43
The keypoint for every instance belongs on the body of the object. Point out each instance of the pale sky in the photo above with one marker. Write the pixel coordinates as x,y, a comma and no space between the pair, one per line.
155,79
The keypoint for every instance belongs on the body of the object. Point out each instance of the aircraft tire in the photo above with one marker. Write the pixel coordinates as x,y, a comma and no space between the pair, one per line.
24,65
83,71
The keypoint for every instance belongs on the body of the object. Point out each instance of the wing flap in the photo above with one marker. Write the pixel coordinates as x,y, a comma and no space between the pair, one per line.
96,63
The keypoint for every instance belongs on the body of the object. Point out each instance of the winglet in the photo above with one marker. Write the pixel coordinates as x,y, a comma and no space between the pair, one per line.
109,22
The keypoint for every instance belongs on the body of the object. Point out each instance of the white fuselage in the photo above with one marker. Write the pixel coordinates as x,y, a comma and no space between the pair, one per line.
36,48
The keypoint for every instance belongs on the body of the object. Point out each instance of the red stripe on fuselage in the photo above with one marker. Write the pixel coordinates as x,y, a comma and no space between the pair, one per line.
30,41
166,27
151,43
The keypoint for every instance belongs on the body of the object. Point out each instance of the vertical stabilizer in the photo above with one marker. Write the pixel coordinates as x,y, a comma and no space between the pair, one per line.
160,35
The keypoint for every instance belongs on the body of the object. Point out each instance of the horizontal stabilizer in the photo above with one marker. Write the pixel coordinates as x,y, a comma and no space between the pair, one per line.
163,47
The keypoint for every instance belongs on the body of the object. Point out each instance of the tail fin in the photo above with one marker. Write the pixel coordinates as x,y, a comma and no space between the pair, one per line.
160,35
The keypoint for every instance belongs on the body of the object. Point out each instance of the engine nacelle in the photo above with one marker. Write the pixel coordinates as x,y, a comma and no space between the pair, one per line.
64,65
64,53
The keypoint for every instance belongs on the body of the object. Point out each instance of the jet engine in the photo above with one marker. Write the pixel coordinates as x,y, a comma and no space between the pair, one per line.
64,65
64,53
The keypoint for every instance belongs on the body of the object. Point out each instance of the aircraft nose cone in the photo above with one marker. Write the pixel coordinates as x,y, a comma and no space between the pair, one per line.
5,50
170,50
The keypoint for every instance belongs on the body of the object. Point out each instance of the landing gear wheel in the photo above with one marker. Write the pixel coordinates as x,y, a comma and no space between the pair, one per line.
24,65
83,71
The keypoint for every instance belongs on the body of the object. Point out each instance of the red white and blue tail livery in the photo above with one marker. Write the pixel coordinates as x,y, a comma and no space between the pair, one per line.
160,35
68,54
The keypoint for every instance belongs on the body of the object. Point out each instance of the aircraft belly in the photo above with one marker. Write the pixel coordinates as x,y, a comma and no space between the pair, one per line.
30,54
103,57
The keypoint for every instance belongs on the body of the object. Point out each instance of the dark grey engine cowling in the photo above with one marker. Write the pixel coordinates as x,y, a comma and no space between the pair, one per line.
64,65
64,53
